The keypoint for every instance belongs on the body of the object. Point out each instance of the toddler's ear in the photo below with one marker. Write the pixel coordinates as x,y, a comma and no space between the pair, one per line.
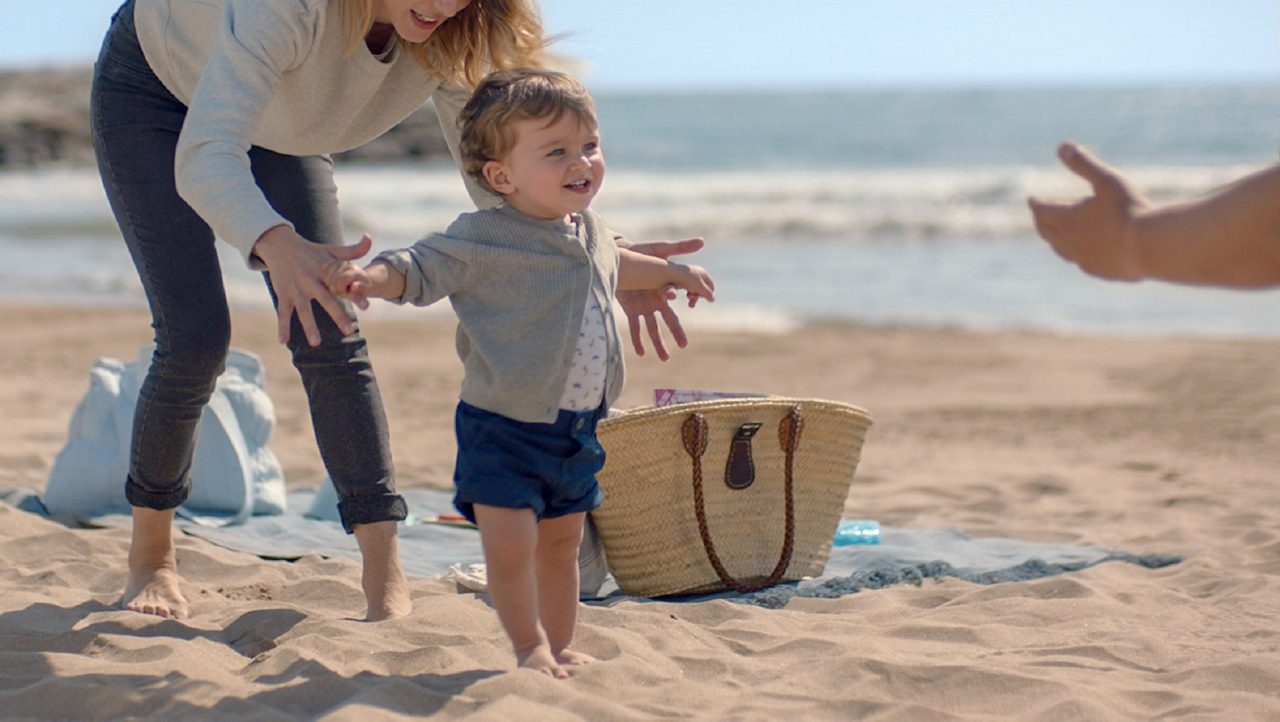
498,178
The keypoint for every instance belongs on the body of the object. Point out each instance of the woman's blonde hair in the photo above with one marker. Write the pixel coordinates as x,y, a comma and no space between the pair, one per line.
506,97
484,36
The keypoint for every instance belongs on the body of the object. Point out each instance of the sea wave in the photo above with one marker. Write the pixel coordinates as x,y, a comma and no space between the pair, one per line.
904,246
872,205
400,203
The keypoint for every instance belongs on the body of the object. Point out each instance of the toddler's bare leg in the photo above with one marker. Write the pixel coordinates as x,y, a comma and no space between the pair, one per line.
557,570
509,537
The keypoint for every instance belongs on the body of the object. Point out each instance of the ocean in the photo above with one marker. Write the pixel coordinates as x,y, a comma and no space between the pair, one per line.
883,207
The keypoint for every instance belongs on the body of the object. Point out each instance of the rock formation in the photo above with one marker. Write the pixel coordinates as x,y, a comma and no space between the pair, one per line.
44,118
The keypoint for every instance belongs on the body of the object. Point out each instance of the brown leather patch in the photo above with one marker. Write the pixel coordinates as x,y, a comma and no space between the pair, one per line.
740,469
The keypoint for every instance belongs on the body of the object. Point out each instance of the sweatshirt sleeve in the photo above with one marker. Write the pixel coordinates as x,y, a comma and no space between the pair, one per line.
449,101
257,43
433,268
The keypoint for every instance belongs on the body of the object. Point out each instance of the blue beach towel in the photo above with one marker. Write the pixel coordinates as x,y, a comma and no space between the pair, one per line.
904,556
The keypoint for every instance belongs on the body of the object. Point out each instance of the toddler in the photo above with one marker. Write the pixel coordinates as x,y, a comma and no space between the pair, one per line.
531,281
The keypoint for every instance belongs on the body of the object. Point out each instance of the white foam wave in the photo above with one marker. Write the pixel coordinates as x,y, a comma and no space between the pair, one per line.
400,203
847,252
897,204
52,195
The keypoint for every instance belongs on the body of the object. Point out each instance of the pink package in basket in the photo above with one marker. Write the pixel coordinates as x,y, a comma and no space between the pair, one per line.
668,397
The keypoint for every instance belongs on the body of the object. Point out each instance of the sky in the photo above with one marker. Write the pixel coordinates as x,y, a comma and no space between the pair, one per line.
759,44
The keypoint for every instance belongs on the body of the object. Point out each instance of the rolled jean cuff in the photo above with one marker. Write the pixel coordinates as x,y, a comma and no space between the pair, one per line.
371,509
139,495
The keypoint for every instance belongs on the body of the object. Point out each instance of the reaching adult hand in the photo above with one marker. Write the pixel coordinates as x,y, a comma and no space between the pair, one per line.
1097,232
297,268
645,306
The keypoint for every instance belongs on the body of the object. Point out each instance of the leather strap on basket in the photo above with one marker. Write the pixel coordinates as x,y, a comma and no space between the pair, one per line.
694,434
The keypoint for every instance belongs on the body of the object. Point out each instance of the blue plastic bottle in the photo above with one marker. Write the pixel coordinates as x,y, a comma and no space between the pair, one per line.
857,531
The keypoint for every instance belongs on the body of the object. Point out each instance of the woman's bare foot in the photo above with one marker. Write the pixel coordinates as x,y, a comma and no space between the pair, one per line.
570,658
541,659
387,598
152,587
386,590
155,591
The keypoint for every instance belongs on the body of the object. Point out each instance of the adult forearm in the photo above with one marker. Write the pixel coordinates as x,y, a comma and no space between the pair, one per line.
1230,238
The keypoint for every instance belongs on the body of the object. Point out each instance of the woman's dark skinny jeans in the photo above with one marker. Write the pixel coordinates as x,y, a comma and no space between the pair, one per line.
135,126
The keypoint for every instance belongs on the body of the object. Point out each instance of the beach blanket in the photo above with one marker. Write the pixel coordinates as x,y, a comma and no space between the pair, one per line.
427,549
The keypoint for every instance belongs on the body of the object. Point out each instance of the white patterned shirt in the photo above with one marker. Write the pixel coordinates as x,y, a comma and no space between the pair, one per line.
584,389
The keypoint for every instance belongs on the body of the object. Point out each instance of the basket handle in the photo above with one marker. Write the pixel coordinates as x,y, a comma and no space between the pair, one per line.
694,433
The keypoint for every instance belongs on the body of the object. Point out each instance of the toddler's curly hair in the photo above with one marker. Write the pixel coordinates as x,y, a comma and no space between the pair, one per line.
505,97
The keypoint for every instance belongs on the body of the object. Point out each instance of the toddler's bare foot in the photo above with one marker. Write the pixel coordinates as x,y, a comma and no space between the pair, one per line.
153,589
541,659
570,658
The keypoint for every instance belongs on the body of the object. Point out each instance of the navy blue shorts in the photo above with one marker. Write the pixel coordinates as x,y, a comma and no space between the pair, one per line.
549,468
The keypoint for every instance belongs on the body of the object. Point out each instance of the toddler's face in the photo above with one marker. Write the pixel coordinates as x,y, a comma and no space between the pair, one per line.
553,169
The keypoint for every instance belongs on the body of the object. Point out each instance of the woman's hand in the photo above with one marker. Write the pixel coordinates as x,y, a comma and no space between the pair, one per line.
297,267
648,305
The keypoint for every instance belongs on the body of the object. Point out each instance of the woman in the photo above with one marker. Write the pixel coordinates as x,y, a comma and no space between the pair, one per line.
216,117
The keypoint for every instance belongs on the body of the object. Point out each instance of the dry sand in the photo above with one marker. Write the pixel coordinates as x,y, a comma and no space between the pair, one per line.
1152,446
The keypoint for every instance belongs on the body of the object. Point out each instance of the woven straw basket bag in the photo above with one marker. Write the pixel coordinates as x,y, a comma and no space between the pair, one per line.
726,494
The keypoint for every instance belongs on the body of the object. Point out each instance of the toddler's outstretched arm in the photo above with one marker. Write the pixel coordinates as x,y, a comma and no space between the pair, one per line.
638,272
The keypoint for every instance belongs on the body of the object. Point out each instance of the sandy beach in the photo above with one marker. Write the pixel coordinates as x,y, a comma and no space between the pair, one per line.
1160,445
